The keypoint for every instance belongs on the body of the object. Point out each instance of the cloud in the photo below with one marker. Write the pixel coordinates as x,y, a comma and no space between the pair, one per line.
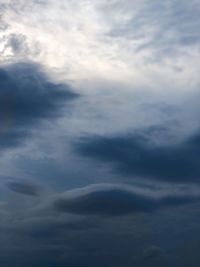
153,256
48,227
137,156
173,17
120,41
25,188
39,240
27,97
17,43
137,63
116,200
64,239
153,252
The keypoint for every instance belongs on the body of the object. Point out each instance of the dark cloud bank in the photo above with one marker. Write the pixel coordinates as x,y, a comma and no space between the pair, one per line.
57,238
116,200
27,96
136,156
85,226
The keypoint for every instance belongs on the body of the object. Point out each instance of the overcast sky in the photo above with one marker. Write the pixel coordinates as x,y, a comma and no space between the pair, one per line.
99,133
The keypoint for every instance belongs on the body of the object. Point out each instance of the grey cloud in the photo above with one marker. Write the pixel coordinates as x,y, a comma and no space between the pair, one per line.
38,240
19,46
137,156
48,227
162,26
3,25
18,43
27,97
26,188
62,239
153,256
116,200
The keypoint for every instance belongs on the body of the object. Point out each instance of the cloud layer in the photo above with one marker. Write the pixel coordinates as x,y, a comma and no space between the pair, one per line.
111,179
112,200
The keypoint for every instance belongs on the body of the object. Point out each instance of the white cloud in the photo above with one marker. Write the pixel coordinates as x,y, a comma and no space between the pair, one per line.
131,43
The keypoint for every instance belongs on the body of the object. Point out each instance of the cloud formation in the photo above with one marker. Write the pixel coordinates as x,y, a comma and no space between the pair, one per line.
137,156
114,200
27,97
25,188
137,64
120,38
169,33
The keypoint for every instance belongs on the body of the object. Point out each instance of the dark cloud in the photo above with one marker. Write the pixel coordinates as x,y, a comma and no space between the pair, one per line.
58,238
114,200
48,227
153,256
153,252
25,188
137,156
27,97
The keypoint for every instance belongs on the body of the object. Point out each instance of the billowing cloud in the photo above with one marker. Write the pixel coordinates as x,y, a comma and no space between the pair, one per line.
137,156
27,97
111,200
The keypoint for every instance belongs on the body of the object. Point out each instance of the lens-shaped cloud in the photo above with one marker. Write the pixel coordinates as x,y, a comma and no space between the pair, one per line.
116,200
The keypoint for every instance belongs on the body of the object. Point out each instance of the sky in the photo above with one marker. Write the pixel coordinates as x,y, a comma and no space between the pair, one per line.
99,133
